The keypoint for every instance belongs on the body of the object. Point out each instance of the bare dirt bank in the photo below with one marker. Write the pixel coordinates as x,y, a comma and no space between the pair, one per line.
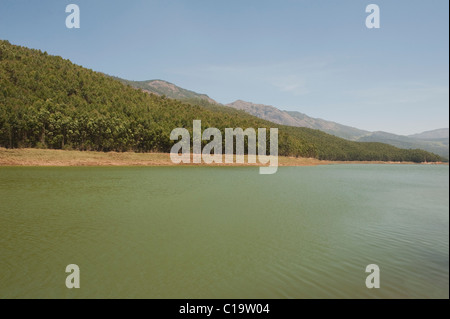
45,157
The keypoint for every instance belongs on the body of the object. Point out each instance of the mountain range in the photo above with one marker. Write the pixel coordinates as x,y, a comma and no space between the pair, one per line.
436,141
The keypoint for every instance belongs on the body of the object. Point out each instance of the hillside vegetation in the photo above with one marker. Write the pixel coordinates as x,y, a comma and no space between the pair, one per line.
49,102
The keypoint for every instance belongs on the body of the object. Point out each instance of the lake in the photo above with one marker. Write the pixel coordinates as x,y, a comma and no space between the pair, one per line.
225,232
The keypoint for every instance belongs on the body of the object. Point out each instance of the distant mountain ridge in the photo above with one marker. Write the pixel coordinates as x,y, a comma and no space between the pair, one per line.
436,141
442,133
161,88
298,119
437,146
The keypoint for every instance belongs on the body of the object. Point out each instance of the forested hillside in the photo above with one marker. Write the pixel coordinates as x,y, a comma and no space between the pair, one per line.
48,102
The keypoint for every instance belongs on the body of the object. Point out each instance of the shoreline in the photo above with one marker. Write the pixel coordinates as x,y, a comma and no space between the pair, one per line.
67,158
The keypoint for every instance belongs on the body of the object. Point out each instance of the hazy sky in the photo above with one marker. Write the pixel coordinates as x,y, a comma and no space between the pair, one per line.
315,56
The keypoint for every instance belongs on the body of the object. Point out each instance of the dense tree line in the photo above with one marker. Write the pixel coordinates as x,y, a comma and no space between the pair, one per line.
48,102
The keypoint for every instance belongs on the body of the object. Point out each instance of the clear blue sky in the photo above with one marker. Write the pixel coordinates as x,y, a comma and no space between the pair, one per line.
314,56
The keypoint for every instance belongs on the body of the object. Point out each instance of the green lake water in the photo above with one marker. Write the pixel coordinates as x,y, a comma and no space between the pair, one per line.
205,232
